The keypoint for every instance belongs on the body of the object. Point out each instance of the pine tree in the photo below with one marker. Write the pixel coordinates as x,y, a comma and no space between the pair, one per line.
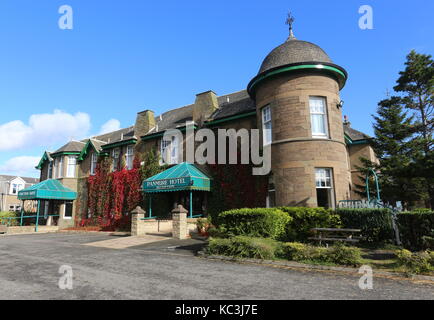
416,86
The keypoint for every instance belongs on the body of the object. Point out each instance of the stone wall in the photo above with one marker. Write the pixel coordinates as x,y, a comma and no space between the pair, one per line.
295,154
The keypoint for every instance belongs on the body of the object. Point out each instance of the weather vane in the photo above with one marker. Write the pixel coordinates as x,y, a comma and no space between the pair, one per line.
289,21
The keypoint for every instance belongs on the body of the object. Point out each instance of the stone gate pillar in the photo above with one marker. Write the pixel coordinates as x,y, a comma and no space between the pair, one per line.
179,220
137,224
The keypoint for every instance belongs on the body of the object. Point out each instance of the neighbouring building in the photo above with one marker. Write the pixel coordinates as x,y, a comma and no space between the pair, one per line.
9,187
315,153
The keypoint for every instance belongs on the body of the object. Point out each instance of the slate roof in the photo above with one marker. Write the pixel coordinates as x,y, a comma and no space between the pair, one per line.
294,51
71,146
28,180
116,136
355,134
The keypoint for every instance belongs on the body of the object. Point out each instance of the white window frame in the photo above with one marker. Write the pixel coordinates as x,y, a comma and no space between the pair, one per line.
14,188
315,111
72,164
129,157
267,126
64,211
59,167
169,151
116,154
323,178
93,163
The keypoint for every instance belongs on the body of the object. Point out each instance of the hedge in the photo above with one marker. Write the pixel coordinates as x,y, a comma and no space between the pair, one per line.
8,214
417,229
304,219
376,224
257,222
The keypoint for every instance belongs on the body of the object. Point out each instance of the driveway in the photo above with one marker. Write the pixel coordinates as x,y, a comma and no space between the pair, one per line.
29,269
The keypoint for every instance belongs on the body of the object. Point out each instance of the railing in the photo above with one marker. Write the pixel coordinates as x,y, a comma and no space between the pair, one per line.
9,219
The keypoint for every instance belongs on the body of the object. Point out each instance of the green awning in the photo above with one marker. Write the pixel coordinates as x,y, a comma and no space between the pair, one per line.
47,190
184,176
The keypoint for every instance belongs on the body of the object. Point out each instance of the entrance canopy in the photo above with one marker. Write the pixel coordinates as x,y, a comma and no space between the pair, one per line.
184,176
47,190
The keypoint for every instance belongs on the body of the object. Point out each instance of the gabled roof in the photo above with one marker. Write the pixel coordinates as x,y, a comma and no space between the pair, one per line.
354,134
45,157
96,145
27,180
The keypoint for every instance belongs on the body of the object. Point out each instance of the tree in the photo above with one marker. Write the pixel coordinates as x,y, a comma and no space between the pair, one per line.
416,86
404,135
393,132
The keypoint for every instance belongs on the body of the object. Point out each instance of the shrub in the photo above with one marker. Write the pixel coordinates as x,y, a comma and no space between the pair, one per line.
304,219
376,224
417,262
10,222
417,229
338,254
341,254
244,247
259,222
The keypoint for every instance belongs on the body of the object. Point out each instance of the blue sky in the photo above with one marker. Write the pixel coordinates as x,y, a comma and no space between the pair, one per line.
126,56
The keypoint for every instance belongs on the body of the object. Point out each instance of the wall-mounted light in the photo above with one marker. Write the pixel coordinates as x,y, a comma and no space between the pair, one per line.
340,104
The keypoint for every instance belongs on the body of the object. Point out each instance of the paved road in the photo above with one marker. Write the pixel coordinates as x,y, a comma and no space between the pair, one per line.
29,266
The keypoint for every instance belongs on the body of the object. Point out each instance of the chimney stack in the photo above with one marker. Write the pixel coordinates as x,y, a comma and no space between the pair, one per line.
145,121
346,122
205,105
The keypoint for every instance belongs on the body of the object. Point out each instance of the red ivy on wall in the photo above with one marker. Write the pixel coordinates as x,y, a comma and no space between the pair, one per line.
112,196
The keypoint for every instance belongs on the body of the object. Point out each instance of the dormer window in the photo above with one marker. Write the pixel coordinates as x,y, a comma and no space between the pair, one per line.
50,170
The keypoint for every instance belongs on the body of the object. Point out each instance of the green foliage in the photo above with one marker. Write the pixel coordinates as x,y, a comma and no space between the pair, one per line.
417,262
244,247
404,135
8,214
341,254
376,224
338,254
417,229
151,164
304,219
257,222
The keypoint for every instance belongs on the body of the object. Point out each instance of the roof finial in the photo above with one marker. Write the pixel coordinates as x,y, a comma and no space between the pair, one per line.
289,21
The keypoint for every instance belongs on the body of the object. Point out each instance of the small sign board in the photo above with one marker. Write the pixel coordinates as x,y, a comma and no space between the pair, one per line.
167,184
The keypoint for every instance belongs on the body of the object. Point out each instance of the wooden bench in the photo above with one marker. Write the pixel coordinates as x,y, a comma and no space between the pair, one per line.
3,228
335,234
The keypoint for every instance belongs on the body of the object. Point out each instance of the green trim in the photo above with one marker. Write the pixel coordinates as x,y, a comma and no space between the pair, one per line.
161,133
119,143
41,162
350,142
232,118
318,66
83,152
64,153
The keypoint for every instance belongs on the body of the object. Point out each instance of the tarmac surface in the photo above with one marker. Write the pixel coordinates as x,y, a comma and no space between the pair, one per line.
165,269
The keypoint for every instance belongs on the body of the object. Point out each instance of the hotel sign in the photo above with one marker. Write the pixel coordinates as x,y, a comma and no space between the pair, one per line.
27,193
167,184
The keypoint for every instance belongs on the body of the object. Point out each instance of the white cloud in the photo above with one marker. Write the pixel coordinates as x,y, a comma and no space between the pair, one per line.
109,126
44,130
21,166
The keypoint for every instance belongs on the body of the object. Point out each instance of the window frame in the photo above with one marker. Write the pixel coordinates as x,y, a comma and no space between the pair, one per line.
116,160
173,156
324,114
69,165
93,163
265,122
129,157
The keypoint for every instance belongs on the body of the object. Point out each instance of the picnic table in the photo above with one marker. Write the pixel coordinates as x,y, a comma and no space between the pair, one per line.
336,234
